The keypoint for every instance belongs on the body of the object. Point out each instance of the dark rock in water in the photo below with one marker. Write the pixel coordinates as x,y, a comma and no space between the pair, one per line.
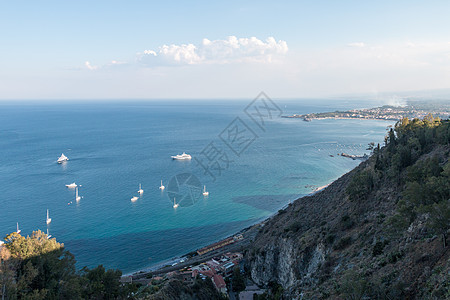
352,156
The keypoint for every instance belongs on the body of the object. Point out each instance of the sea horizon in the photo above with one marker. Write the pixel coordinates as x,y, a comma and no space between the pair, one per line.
113,147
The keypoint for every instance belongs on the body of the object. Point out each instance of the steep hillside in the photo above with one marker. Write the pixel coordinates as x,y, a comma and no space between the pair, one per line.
379,231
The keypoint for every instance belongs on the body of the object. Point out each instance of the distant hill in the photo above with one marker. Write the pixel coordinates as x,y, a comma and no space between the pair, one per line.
378,232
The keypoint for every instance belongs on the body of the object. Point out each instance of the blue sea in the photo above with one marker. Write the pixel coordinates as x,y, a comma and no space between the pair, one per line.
251,170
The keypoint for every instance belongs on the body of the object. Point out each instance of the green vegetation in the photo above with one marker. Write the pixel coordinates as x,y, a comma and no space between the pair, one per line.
414,166
378,232
276,290
361,185
347,222
343,243
238,281
354,286
424,183
378,248
36,267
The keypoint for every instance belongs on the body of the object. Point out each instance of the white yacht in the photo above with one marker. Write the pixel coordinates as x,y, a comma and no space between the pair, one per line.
134,199
183,156
48,235
175,204
141,191
72,185
162,187
62,158
77,197
18,230
205,193
48,220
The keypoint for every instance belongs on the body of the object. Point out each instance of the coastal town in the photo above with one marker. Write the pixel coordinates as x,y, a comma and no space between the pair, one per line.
386,112
221,262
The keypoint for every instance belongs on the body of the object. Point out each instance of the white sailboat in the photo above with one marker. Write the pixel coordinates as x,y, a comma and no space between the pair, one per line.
134,199
175,204
205,193
18,230
72,185
77,197
48,235
48,220
162,187
141,191
62,159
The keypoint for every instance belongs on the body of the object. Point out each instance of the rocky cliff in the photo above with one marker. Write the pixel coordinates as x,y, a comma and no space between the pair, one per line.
366,235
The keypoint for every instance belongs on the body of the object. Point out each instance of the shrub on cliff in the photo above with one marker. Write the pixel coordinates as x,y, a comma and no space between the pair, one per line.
361,185
35,267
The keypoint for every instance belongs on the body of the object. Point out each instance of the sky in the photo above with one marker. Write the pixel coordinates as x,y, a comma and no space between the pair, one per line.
229,49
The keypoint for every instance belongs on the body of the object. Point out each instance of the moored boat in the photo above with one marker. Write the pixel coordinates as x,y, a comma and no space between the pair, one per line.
183,156
62,158
48,220
205,192
77,197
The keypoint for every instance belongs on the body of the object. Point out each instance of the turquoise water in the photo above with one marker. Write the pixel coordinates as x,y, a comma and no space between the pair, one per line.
115,146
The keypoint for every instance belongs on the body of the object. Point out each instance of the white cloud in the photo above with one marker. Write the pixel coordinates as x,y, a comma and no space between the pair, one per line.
226,51
184,54
222,70
357,44
113,63
89,66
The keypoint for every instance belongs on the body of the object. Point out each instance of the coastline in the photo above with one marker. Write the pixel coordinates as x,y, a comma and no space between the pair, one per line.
180,261
320,188
386,112
338,118
183,261
90,239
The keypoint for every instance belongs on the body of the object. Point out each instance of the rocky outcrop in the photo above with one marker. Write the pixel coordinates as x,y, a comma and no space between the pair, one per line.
275,263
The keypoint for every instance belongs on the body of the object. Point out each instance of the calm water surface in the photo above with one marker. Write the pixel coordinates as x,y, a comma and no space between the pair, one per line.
115,146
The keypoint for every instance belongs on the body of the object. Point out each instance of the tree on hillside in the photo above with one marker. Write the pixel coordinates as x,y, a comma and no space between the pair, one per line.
440,219
99,283
35,267
238,280
361,185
